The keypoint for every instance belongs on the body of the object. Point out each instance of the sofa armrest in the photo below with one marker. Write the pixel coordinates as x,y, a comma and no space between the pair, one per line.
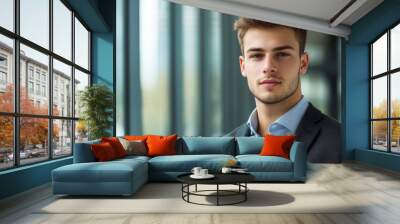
83,152
298,155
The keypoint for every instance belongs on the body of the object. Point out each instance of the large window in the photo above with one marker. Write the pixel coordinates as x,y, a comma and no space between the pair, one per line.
44,64
385,94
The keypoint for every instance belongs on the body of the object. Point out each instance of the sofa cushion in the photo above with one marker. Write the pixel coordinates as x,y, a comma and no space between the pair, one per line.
277,146
257,163
161,145
135,137
103,152
117,146
111,171
135,147
207,145
249,145
185,163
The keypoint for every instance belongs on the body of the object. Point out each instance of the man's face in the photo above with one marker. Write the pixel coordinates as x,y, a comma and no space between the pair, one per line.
272,63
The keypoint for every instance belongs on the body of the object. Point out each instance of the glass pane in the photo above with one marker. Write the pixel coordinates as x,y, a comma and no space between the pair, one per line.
154,72
379,98
81,81
34,81
7,14
191,68
379,55
395,94
33,139
62,138
379,135
395,136
81,131
62,29
35,21
62,89
6,74
6,142
81,45
395,47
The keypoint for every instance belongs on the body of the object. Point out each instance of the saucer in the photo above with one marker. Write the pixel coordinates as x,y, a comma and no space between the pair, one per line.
208,176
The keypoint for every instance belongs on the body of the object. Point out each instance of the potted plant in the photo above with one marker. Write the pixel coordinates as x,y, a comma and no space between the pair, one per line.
96,102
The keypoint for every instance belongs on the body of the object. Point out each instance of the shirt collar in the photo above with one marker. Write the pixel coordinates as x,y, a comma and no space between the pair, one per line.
292,117
252,122
289,120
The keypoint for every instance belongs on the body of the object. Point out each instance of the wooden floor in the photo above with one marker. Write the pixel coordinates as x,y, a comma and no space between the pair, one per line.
354,182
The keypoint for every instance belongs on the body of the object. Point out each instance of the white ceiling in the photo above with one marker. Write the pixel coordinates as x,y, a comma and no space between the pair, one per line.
325,16
320,9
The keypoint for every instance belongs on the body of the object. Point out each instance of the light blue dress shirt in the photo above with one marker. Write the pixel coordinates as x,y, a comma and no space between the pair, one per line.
285,124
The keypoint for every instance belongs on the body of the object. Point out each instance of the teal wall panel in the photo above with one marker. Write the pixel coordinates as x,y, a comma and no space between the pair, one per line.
102,59
24,178
356,81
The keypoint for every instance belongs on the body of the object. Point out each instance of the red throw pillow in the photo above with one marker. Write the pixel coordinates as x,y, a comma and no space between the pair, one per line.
161,145
103,151
277,146
116,145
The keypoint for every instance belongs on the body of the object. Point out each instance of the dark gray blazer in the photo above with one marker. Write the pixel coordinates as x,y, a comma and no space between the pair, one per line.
321,135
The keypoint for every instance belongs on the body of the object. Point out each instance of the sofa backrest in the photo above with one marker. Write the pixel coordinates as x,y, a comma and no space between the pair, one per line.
83,152
206,145
249,145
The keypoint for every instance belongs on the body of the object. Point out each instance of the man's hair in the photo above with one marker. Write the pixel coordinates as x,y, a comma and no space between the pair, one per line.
242,25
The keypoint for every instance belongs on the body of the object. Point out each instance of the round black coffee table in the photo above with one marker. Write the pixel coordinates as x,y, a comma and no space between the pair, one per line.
238,179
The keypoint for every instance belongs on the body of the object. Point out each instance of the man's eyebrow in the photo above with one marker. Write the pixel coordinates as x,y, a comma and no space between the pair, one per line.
255,50
280,48
285,47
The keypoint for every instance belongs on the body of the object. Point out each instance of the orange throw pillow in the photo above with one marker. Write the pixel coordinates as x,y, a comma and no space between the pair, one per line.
116,145
135,137
277,146
103,151
161,145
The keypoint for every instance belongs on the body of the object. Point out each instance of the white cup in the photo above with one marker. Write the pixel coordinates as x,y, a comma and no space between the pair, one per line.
196,170
203,172
226,170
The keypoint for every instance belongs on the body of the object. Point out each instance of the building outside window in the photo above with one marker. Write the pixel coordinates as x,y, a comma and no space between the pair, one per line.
30,87
43,90
34,56
3,79
30,72
3,61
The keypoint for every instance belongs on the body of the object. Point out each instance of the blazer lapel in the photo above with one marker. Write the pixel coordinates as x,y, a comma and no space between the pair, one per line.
244,130
308,127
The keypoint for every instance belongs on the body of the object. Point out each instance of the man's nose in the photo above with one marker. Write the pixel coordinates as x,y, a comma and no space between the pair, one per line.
269,64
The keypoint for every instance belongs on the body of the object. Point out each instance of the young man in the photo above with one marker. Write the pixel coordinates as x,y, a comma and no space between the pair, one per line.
273,61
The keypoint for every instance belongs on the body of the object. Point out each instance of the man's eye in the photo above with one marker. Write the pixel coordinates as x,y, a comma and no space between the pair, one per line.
282,54
256,56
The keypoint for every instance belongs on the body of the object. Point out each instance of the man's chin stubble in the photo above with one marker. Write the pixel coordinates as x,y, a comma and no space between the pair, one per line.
279,100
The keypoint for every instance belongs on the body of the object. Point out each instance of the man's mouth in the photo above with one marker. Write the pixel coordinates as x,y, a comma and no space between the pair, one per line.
269,83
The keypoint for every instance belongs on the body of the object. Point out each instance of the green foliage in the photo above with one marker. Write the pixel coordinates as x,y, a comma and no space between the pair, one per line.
96,102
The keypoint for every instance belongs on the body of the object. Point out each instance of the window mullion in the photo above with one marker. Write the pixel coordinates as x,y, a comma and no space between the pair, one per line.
16,84
371,89
73,82
50,81
389,106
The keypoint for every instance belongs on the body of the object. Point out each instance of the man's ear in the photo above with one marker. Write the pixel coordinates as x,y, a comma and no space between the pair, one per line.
304,62
242,66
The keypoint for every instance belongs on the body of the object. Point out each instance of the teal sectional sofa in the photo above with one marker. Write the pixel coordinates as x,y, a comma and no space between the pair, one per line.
125,176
